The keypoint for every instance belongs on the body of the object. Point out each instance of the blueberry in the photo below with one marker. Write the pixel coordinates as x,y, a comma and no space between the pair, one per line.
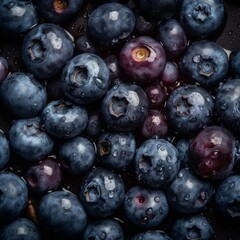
189,194
20,229
154,125
227,198
102,192
173,37
151,234
62,213
204,62
45,50
189,108
4,150
116,150
192,227
28,140
17,16
44,176
110,23
85,78
212,152
107,228
227,104
23,95
124,107
202,18
113,66
159,9
234,63
145,207
63,119
170,74
182,146
142,59
77,155
83,44
156,162
55,11
13,196
4,68
156,94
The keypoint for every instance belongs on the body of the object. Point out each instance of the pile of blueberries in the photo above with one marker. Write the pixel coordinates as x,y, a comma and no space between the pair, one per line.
129,130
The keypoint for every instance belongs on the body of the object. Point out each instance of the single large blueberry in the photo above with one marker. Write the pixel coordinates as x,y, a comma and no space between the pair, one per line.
156,163
63,119
188,194
227,198
4,150
13,196
101,192
20,229
28,140
110,23
116,150
189,108
124,107
23,95
227,104
202,18
17,16
151,234
56,11
193,227
103,229
62,213
77,155
85,78
145,207
45,50
204,62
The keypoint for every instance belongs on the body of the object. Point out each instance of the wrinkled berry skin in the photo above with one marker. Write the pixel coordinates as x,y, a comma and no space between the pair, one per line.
116,150
202,18
160,9
23,95
151,234
20,229
45,50
44,176
62,213
189,108
104,228
189,194
204,62
145,207
156,163
227,198
4,150
28,140
173,37
58,12
77,155
211,152
64,120
101,192
124,107
17,16
85,78
110,23
192,227
142,59
13,197
227,104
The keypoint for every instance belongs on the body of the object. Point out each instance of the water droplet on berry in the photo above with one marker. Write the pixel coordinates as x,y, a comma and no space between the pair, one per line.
157,199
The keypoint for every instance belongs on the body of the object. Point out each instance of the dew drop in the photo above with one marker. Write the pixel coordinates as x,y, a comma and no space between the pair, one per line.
232,185
111,194
149,211
157,199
